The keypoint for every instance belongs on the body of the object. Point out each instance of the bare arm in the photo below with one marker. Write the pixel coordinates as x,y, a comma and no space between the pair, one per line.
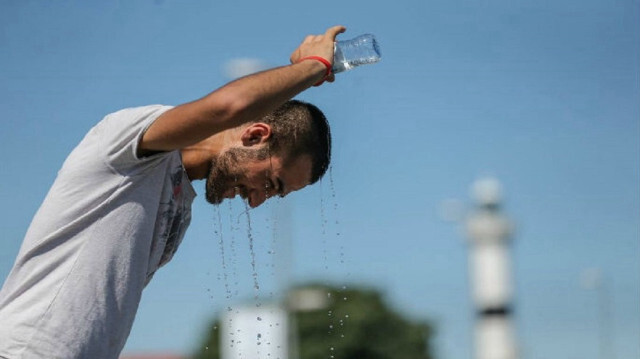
242,100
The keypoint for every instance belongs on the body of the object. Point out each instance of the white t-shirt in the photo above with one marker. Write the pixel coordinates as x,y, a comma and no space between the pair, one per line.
109,221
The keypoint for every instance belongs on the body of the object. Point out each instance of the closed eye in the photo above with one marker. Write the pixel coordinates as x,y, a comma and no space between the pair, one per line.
274,190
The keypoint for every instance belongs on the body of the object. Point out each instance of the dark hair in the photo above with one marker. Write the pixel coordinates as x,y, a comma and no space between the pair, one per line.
299,128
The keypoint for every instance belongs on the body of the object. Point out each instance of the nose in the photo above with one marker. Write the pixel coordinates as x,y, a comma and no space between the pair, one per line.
257,198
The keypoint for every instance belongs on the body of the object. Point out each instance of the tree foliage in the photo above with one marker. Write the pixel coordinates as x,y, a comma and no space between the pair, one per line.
355,324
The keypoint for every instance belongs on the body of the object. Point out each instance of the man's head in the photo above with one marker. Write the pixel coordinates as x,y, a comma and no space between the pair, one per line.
300,128
281,153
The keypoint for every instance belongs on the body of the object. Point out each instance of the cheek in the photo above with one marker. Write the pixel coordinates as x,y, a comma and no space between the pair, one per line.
255,182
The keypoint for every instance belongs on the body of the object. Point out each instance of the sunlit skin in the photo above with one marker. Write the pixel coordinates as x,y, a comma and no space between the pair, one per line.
257,180
206,128
229,163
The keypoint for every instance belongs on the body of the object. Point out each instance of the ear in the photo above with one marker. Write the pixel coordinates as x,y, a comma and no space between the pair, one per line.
255,134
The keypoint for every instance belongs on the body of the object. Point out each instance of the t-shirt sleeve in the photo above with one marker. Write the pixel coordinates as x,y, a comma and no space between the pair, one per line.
120,134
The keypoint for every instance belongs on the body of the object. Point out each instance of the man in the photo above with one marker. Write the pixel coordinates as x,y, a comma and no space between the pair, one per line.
121,202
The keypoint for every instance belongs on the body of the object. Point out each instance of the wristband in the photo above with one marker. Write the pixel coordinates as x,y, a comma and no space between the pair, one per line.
324,61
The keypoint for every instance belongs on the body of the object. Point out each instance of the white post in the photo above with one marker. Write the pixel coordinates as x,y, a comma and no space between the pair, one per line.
255,332
490,272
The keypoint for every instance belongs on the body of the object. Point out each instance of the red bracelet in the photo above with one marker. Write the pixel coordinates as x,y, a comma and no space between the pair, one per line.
324,61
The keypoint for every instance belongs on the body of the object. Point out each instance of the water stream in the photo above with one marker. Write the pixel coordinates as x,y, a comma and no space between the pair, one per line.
333,254
219,233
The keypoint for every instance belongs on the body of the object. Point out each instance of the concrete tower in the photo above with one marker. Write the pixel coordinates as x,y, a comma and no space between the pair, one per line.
489,235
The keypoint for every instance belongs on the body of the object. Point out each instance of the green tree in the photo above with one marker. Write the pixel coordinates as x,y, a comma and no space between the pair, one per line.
210,349
354,324
359,324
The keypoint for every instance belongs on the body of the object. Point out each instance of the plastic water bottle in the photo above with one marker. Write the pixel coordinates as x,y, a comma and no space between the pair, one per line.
358,51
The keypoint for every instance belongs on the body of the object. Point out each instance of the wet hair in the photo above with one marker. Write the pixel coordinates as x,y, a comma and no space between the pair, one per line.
299,128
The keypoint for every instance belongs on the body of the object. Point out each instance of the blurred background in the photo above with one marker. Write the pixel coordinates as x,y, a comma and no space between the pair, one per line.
540,96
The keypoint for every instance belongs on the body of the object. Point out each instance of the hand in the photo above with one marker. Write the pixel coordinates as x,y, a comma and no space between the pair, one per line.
318,45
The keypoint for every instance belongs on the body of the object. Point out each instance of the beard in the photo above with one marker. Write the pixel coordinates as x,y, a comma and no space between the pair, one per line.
226,172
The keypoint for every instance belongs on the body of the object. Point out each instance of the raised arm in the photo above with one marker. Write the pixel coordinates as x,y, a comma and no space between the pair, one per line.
242,100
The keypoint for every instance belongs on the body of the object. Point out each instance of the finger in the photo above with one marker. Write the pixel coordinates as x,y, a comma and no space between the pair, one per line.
332,32
308,39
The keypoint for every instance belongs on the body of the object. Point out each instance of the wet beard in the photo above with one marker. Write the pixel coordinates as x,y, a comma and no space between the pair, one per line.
226,171
221,178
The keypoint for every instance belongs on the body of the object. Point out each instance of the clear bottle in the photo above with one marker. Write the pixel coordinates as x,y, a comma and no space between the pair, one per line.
361,50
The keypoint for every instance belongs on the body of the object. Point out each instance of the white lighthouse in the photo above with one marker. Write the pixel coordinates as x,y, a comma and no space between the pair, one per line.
489,235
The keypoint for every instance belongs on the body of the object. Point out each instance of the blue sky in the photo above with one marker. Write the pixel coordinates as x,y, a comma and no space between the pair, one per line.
543,95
